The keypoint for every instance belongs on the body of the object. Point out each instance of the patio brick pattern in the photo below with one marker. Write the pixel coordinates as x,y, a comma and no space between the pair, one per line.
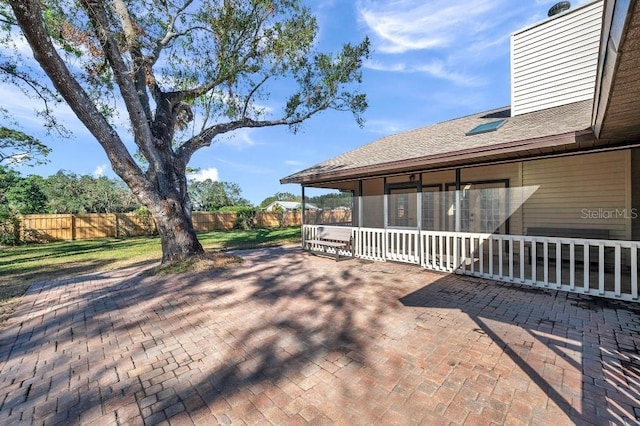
288,338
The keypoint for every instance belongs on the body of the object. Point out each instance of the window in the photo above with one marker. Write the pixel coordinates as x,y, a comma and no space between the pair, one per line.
403,208
483,207
431,207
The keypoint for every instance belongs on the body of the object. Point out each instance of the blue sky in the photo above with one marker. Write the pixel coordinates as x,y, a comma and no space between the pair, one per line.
431,61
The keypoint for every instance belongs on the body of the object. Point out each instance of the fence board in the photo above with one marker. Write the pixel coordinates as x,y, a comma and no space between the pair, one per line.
61,227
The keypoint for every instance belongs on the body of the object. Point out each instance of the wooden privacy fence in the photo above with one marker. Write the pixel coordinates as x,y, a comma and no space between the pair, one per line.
55,227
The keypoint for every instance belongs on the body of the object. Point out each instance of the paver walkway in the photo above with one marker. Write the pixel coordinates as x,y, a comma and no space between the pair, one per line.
288,338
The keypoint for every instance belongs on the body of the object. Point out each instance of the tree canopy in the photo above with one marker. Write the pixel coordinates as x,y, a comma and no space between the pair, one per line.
181,74
208,195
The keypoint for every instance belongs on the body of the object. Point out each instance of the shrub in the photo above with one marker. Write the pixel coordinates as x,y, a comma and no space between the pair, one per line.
9,228
146,220
245,216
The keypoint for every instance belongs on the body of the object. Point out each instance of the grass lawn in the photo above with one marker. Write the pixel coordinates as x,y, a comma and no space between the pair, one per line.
22,265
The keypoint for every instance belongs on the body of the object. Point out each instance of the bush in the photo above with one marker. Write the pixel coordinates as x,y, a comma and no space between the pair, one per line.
146,220
245,216
9,228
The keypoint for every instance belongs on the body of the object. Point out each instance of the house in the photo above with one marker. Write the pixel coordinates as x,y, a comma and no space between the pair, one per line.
544,192
289,205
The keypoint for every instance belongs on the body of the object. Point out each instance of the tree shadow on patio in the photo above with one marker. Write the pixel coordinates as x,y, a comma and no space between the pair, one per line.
580,352
121,344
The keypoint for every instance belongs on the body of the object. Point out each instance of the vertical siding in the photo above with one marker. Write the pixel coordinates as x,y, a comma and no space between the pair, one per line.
554,63
586,191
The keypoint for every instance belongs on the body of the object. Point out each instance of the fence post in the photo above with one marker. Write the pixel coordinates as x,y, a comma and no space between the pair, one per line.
73,227
117,225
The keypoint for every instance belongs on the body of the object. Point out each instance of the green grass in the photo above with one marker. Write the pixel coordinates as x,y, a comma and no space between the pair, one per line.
22,265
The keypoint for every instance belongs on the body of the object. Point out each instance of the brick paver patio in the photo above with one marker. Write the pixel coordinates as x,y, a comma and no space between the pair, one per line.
288,338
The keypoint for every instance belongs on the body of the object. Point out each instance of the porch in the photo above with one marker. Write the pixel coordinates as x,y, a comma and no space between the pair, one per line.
597,267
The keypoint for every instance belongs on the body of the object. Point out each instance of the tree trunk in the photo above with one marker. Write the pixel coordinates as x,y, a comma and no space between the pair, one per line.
177,235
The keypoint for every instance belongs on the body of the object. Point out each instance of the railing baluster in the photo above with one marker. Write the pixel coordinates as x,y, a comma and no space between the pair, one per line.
522,278
601,268
534,261
545,254
617,269
500,250
463,244
440,251
491,256
558,264
634,273
481,255
510,259
572,265
472,246
434,251
585,267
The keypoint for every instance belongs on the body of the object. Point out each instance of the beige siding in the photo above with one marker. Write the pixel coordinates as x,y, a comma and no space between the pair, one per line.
554,63
635,193
586,191
438,178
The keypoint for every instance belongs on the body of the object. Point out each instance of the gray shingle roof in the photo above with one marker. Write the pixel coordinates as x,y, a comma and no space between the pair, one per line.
448,138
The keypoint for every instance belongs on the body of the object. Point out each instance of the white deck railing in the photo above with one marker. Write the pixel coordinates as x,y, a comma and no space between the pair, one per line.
606,268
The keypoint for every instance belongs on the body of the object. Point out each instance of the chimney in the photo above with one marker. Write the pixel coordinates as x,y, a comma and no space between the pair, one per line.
554,62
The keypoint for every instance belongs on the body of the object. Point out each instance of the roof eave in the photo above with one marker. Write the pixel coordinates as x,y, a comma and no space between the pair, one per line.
577,140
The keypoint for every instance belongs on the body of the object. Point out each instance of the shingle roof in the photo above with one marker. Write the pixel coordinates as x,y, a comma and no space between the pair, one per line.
447,140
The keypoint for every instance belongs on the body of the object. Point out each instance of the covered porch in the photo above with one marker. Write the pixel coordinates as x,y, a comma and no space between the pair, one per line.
568,223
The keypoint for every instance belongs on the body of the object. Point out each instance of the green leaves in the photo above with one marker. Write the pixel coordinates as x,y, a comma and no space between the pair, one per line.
18,147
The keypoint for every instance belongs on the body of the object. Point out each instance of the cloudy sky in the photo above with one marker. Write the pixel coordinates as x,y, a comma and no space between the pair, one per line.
432,61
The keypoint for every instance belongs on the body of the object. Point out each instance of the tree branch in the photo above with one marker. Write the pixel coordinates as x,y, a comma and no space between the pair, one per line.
139,63
141,127
29,16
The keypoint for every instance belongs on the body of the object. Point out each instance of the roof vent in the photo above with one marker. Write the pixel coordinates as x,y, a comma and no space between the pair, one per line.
559,8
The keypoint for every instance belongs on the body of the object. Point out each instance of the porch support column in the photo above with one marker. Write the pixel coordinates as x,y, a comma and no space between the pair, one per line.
303,206
360,204
385,204
419,202
302,216
457,203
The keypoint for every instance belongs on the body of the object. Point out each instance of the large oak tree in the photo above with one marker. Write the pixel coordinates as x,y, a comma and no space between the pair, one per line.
187,72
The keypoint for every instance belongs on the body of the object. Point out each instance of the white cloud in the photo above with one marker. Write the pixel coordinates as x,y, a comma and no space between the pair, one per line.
100,170
435,68
293,163
405,25
204,174
384,127
239,139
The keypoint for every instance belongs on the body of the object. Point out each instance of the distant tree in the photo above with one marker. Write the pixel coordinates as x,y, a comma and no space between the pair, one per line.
68,192
8,178
211,195
280,196
18,196
332,201
187,72
64,192
26,196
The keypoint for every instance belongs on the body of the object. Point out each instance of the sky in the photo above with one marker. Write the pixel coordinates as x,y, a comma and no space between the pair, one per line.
431,61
